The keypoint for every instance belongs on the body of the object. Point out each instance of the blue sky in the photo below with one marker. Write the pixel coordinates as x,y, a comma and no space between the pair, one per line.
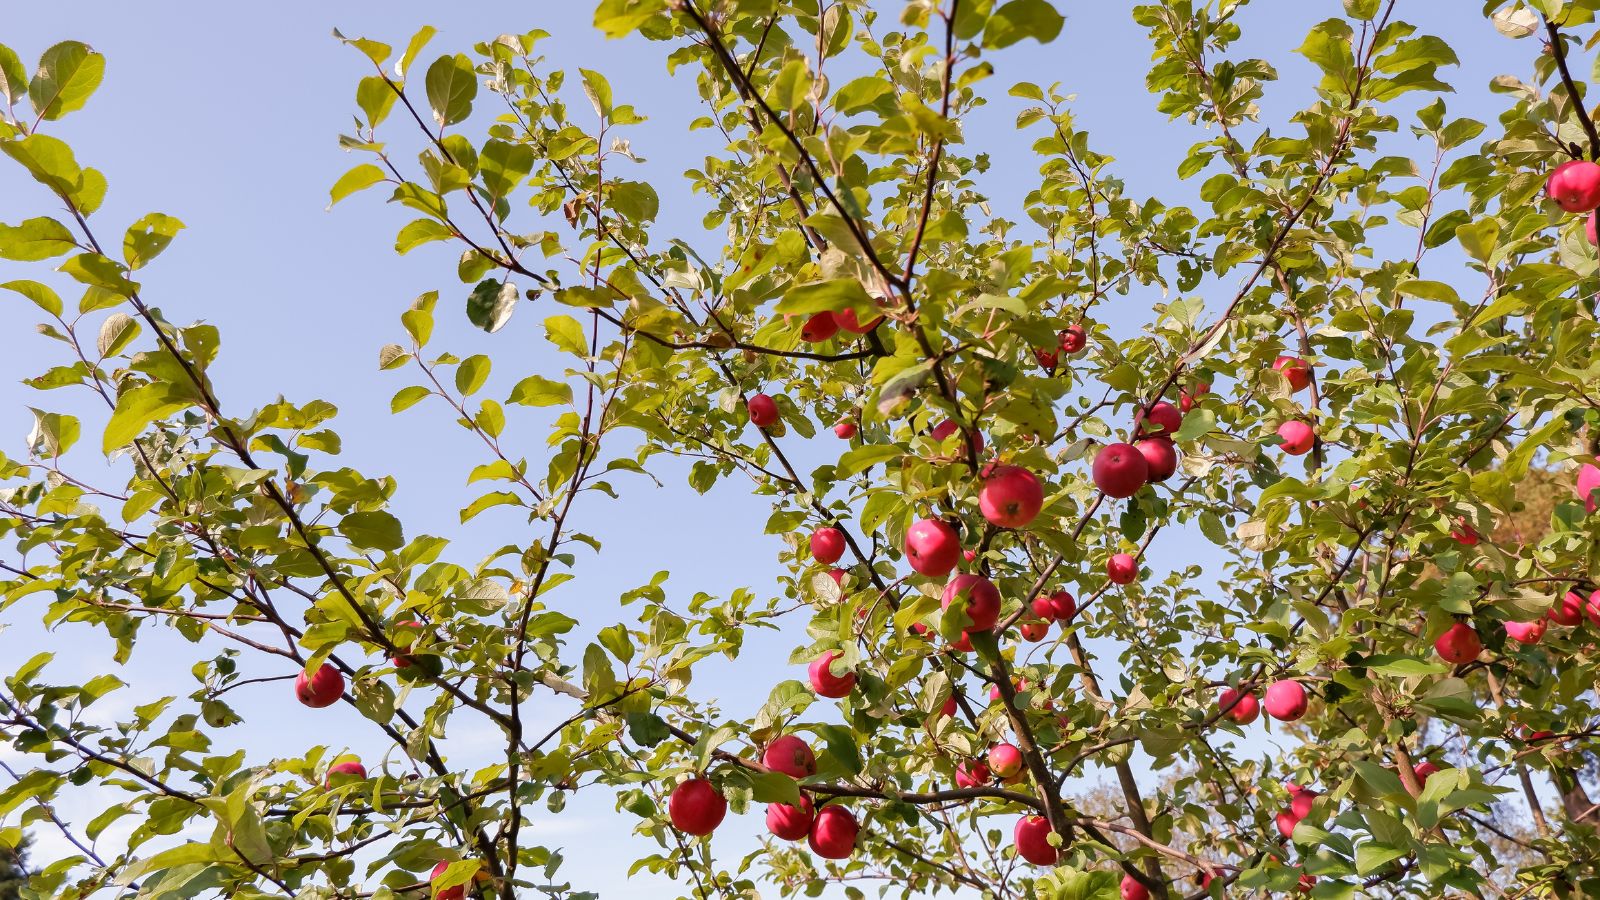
226,116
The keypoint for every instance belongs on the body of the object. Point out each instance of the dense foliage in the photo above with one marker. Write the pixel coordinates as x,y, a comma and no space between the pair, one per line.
1355,360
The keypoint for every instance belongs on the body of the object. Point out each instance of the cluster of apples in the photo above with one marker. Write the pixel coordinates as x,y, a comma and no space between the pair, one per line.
1070,342
1575,187
1286,701
1460,643
824,325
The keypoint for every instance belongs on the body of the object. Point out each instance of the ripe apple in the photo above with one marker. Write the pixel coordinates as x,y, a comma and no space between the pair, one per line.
1010,497
452,893
322,689
1047,359
1575,186
849,321
1032,837
1035,631
791,756
345,771
1160,457
1568,610
1120,470
1458,645
819,328
1286,700
1526,632
1464,534
1590,231
763,411
1122,568
1286,821
942,432
827,684
833,833
1160,418
1072,340
1062,606
1295,370
1041,607
1133,890
1307,882
843,429
1296,437
1424,770
1187,397
1591,608
405,660
982,598
827,545
791,823
963,644
1301,801
696,807
1588,480
972,773
1240,706
932,547
949,706
1005,760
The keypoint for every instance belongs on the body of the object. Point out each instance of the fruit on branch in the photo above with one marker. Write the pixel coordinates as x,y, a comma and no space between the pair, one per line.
942,432
1568,610
322,689
981,596
1285,822
406,660
1047,359
1241,707
1590,231
844,429
1189,396
819,328
1131,889
1588,480
1307,882
834,832
1425,770
1072,340
345,771
1034,631
1464,534
1286,700
1122,568
827,545
791,823
1032,838
1041,607
458,891
696,807
827,684
1458,645
963,644
1295,371
1011,497
932,547
1301,799
763,411
1161,418
1160,457
1062,606
1005,760
1120,470
1527,632
1296,437
1575,186
949,707
972,773
791,756
849,321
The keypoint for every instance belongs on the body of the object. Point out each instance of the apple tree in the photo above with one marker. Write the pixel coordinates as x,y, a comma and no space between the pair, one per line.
1013,674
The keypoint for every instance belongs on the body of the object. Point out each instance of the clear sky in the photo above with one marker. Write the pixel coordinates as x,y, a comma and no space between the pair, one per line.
226,115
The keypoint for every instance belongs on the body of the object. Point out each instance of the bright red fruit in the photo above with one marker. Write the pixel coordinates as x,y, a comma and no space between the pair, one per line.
449,893
344,772
1286,700
833,834
819,328
1062,606
942,432
1005,760
401,660
950,706
1459,644
1464,534
1295,370
1122,568
1526,632
322,689
763,411
1160,457
932,547
1120,470
844,430
1032,837
1286,822
791,756
983,599
1240,707
1035,631
1301,802
963,644
1133,890
1568,610
1589,230
827,684
1161,418
695,807
1575,186
1072,339
849,321
1425,770
1187,397
827,545
1297,437
1046,358
972,773
1010,497
791,823
1588,480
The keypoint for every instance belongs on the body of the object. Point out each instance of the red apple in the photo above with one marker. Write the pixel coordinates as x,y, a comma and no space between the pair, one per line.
844,429
983,599
1588,480
1062,606
963,644
1187,397
819,328
791,756
1464,534
791,823
932,547
403,660
1160,418
1032,837
1047,359
1307,882
1072,340
763,411
1286,821
1301,801
322,689
949,707
1035,631
833,834
942,432
1010,497
451,893
1568,610
1575,186
1005,760
1160,457
972,773
1133,890
1296,437
1589,230
1295,370
1120,470
1424,770
1122,568
827,545
1526,632
1241,707
1041,607
1592,608
345,771
827,684
1286,700
1459,644
696,807
849,321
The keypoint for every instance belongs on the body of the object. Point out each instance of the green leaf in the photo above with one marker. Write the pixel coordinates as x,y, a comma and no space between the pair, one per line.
598,90
358,179
41,295
418,41
617,18
146,238
566,334
1403,666
13,77
824,296
1479,238
408,397
502,165
1021,19
866,456
536,390
451,85
137,408
55,432
67,76
375,529
98,271
774,787
116,332
471,374
49,160
491,304
35,239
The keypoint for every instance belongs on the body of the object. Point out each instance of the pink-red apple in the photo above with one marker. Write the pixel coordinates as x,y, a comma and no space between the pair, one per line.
1010,497
833,833
1131,889
844,429
1575,186
1122,568
1240,706
1072,340
1062,606
1286,700
827,684
827,545
972,773
1047,359
1160,457
819,328
849,321
1588,480
1160,418
1005,760
1296,437
322,689
345,771
1032,838
1189,396
1120,470
405,660
696,807
1034,631
982,599
949,707
791,756
763,411
932,547
1526,632
1568,610
1458,645
1295,371
791,823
